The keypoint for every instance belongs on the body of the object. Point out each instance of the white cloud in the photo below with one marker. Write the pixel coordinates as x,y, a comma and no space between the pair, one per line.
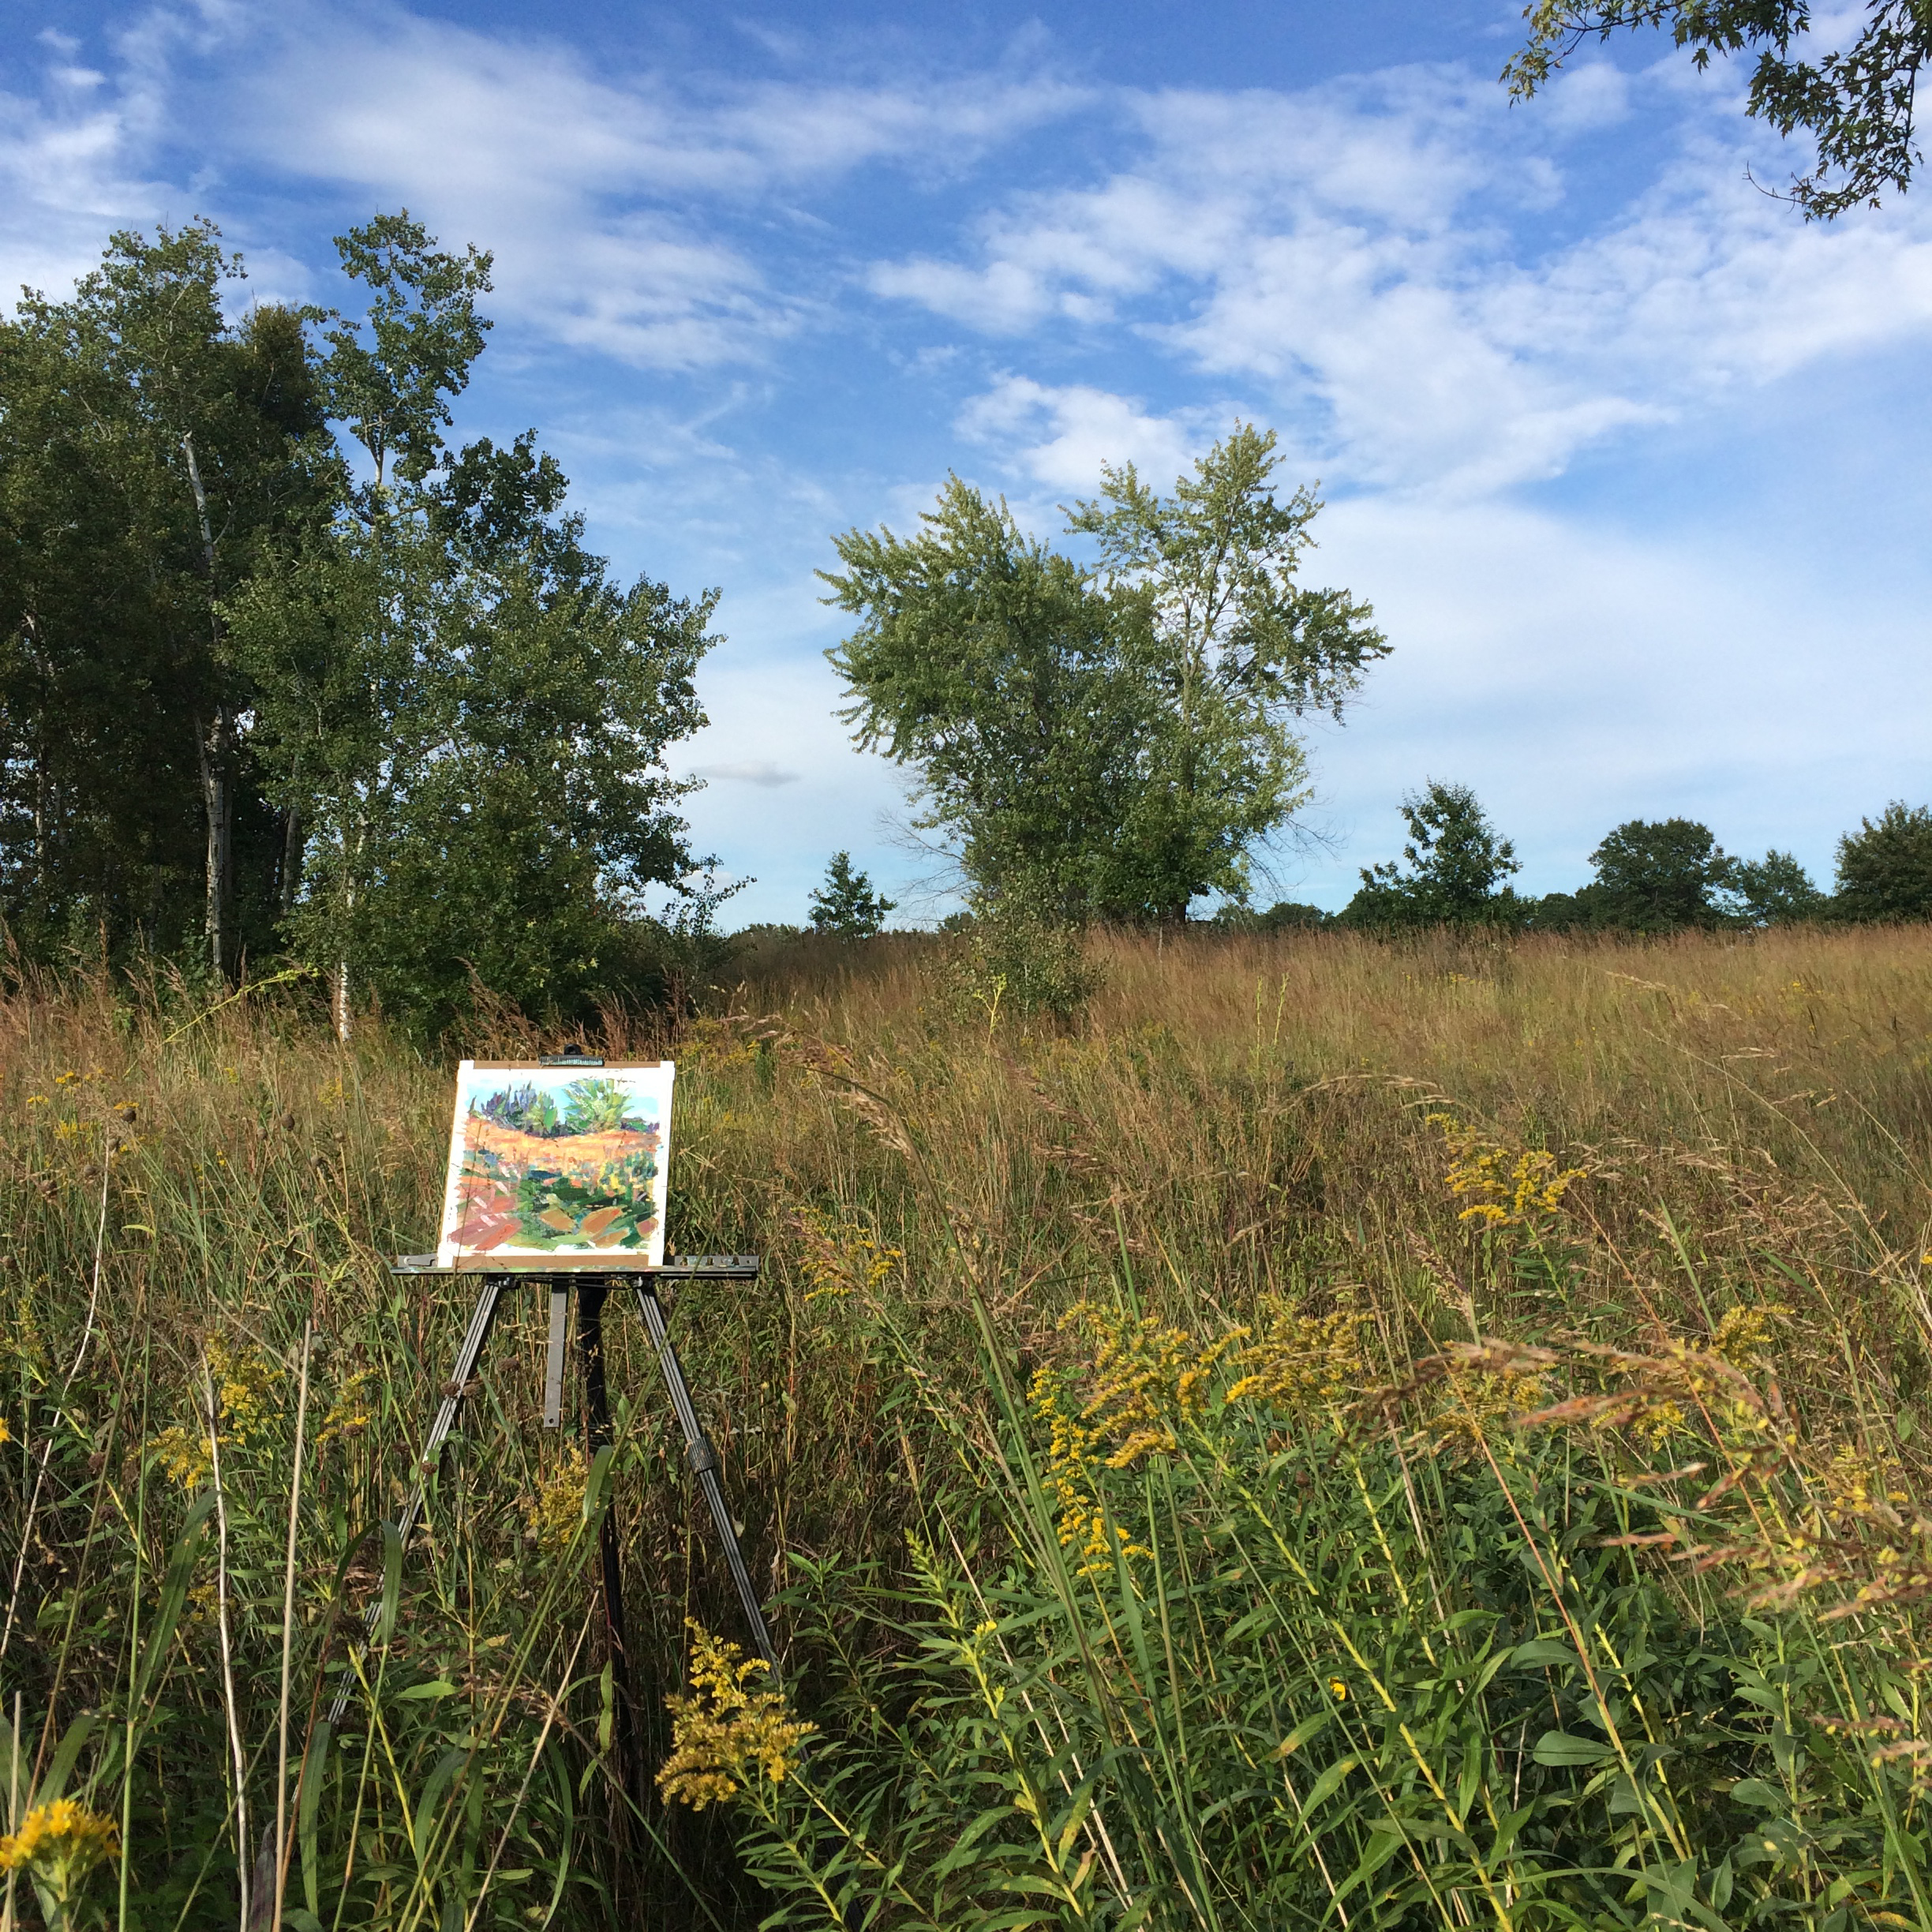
1060,437
1577,677
1351,249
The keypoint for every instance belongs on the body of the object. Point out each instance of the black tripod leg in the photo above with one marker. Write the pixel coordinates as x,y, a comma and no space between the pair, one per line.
590,1335
468,1355
705,1467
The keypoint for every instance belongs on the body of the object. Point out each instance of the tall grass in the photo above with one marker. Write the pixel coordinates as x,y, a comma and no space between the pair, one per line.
1106,1611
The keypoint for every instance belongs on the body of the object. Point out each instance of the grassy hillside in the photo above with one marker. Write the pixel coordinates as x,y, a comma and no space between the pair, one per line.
1128,1434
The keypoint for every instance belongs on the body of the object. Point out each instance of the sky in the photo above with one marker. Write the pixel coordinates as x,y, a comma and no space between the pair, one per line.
1631,461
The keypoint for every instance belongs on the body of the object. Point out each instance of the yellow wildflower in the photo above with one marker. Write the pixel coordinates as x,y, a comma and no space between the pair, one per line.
1297,1360
1505,1187
185,1459
60,1843
348,1414
723,1733
245,1380
553,1515
841,1258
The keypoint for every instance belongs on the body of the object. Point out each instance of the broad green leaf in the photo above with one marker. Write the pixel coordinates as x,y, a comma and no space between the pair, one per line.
1564,1749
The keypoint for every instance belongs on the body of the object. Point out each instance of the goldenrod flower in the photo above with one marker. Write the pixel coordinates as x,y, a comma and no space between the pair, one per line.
185,1459
1505,1187
723,1734
553,1515
60,1843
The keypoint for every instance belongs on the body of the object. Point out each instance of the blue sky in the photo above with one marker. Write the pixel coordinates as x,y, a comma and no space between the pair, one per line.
1631,461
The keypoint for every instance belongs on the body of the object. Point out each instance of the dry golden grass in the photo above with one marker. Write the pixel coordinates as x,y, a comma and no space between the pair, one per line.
1237,1123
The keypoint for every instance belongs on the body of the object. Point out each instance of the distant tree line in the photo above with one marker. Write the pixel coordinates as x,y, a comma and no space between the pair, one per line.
283,674
1651,876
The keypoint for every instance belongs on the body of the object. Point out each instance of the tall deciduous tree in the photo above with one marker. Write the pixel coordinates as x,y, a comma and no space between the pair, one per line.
1228,648
1114,742
149,451
1658,876
468,714
1856,98
990,665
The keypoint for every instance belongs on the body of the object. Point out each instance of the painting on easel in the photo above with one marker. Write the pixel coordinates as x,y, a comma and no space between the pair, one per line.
556,1168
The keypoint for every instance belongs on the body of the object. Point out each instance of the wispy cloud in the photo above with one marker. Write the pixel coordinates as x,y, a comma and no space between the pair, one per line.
1352,253
752,771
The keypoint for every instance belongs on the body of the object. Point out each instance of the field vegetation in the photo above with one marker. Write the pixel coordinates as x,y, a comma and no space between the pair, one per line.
1326,1432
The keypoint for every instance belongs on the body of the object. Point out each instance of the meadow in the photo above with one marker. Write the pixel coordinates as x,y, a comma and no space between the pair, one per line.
1336,1433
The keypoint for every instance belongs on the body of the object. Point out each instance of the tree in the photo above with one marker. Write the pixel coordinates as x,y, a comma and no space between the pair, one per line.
1776,890
990,664
1856,101
149,452
846,904
1885,870
1459,867
1657,878
467,717
1230,648
1115,742
1283,915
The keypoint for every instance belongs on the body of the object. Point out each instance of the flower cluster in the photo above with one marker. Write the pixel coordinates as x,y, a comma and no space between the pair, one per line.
1145,1375
1297,1362
245,1381
1145,1378
60,1843
553,1515
841,1258
723,1732
348,1414
1073,1454
1505,1187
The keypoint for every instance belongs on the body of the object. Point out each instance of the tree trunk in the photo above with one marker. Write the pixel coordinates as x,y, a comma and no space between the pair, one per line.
290,882
216,749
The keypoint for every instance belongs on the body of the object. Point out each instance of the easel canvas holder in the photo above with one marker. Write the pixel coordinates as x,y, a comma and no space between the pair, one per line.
566,1190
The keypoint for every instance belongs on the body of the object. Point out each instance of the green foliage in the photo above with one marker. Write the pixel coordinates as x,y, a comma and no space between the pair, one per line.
1884,869
529,1109
1457,866
466,715
150,454
1021,961
1856,101
1776,890
1208,1646
1657,877
1119,738
389,377
989,664
846,904
1283,915
596,1107
1231,647
405,725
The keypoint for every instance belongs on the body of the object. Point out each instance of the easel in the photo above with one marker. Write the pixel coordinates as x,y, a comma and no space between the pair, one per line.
592,1289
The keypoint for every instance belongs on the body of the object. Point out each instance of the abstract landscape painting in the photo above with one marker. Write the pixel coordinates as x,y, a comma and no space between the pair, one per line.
552,1166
